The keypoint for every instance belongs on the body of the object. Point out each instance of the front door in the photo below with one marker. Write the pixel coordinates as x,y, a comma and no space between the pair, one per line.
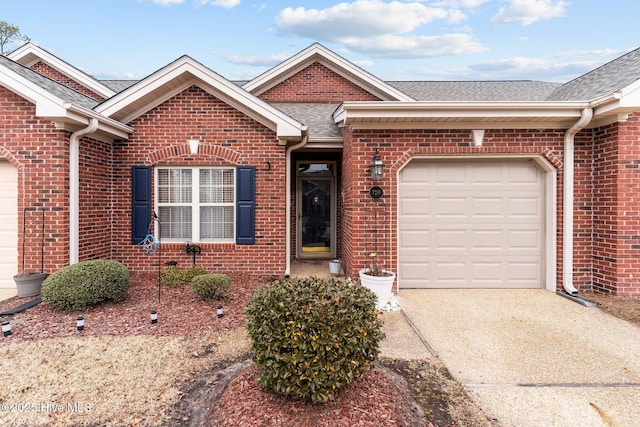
316,210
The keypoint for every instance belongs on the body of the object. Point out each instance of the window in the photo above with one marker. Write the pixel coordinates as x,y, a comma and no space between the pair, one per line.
196,204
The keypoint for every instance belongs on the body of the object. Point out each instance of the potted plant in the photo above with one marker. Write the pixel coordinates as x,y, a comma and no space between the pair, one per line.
29,281
378,280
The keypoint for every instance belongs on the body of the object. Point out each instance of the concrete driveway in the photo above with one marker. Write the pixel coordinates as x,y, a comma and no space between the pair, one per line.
531,357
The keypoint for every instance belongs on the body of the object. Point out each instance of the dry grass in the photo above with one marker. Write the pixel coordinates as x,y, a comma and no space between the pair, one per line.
131,380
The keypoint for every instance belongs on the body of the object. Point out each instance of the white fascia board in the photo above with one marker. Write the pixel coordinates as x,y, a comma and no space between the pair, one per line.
353,111
329,59
25,55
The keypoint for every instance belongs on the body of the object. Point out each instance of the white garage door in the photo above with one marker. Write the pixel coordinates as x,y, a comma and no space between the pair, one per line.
8,224
471,224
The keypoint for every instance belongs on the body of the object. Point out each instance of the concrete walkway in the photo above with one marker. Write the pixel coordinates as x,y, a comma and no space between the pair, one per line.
532,358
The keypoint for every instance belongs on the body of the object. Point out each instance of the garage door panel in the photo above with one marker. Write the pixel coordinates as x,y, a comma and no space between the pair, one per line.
471,224
415,239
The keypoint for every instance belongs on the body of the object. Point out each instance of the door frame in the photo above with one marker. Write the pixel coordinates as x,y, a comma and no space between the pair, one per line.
332,209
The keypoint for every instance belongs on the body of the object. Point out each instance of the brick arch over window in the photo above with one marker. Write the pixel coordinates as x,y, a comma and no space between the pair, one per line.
204,151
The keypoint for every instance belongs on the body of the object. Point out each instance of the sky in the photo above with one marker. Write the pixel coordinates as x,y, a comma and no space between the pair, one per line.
547,40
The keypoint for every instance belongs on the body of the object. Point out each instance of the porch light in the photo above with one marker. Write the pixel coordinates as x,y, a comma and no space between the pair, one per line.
6,329
376,168
193,145
154,316
80,323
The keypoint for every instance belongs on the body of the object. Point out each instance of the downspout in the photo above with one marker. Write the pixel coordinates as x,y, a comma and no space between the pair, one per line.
567,208
74,188
287,268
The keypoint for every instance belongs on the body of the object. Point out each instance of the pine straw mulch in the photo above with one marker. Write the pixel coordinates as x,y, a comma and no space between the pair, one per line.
621,307
191,369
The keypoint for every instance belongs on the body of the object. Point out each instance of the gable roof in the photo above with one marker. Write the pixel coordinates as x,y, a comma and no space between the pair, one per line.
180,75
609,78
318,53
30,54
67,108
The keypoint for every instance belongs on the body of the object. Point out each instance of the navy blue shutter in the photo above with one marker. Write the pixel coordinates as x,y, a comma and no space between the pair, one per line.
140,202
245,205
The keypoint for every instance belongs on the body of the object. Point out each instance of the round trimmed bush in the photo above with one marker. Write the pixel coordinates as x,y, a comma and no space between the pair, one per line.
211,286
311,336
82,285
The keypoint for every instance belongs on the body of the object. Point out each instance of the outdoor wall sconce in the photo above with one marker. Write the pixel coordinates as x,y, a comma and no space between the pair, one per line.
193,145
220,312
154,316
6,329
376,168
80,323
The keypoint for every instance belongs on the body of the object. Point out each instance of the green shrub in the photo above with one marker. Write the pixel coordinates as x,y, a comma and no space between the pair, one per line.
311,336
211,286
82,285
173,276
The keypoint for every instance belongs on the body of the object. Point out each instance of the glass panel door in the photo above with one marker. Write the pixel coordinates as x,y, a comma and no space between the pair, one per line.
316,226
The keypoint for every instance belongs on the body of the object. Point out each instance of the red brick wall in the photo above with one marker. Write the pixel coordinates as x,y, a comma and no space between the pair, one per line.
398,147
227,137
317,83
40,154
53,74
616,211
96,200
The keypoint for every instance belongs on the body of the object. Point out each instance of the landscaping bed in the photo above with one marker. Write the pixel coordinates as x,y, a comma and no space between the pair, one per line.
192,368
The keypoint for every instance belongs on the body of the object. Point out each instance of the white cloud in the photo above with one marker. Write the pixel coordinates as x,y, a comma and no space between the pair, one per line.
465,4
614,53
526,12
391,46
227,4
362,17
167,2
379,28
532,68
258,61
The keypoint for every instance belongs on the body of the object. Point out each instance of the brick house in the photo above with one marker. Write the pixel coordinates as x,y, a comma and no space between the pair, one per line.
485,184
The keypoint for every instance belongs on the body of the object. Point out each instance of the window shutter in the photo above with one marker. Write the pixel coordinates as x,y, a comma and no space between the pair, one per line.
140,202
245,205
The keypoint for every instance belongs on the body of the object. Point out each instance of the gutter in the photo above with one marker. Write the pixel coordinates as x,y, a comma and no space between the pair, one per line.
74,188
568,201
287,268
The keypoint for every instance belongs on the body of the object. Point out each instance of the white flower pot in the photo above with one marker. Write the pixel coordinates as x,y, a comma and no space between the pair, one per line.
380,285
335,265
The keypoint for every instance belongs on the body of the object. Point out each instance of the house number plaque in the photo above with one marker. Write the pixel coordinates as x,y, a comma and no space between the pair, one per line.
376,192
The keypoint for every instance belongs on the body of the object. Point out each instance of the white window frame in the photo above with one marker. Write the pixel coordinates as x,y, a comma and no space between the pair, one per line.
195,203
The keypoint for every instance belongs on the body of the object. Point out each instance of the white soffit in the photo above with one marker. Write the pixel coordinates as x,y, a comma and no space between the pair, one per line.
318,53
179,76
30,54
